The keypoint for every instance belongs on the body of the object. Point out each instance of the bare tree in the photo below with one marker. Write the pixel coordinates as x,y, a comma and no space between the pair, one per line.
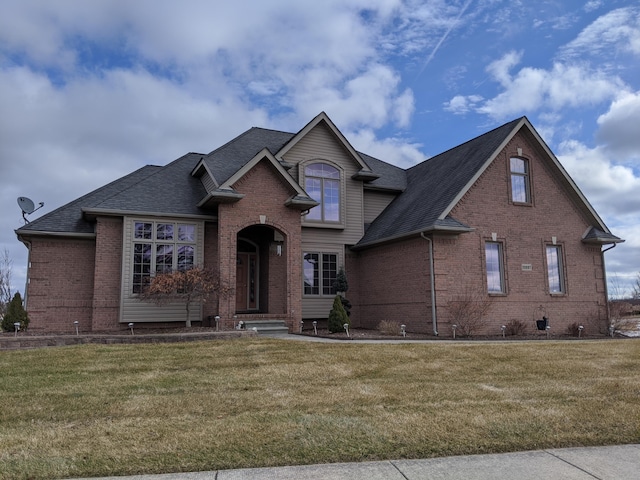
468,311
5,281
184,286
635,290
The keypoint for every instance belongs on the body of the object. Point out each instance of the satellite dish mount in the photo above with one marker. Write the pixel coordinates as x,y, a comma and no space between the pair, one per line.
28,207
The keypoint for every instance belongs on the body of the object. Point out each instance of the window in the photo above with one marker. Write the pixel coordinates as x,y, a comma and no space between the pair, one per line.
320,271
520,185
161,247
495,267
554,269
322,183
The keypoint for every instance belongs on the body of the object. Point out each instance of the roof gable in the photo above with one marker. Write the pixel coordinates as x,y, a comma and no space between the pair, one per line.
436,186
225,161
323,119
432,187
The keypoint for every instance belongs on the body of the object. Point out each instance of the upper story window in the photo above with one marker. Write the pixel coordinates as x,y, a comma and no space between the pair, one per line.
161,247
322,183
520,182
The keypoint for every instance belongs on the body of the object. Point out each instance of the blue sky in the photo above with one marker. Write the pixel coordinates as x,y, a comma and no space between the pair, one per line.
90,91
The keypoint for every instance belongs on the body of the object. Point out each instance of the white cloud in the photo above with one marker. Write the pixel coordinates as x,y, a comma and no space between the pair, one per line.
398,151
619,127
536,89
461,104
617,31
611,187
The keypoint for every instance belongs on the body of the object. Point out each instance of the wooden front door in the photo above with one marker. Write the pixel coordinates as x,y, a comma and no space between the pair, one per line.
246,282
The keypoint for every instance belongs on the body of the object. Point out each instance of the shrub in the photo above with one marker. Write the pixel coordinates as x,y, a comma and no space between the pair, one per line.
338,316
341,285
15,314
515,327
468,312
388,327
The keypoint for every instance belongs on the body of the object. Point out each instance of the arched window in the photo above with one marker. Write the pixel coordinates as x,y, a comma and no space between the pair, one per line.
322,183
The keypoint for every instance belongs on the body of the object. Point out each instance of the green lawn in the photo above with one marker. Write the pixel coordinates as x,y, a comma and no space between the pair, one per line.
99,410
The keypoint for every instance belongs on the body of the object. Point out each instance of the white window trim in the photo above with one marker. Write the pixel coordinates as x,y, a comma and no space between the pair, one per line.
320,293
343,194
130,241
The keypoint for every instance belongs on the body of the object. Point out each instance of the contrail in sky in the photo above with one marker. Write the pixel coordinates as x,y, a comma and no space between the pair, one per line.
444,37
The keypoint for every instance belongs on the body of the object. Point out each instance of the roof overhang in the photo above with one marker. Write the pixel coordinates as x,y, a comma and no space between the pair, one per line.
220,196
365,176
93,213
595,236
301,202
22,235
436,229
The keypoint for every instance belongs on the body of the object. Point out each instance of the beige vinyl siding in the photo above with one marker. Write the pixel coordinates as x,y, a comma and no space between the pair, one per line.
320,144
208,182
374,203
136,311
319,306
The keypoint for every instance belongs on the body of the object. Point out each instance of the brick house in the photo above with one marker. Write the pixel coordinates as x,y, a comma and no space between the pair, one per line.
276,215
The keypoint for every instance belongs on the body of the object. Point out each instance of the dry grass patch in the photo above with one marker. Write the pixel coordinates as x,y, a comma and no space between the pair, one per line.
115,410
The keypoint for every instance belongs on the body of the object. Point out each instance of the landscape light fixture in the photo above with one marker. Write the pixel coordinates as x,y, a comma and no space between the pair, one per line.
217,319
346,328
548,330
453,327
315,327
301,326
612,329
580,328
503,328
131,327
76,325
403,330
17,327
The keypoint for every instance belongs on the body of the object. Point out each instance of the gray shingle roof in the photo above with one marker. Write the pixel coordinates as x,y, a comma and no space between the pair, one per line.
432,185
69,218
231,157
428,189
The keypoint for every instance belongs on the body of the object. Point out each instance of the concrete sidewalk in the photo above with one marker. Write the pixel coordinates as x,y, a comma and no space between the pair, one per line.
585,463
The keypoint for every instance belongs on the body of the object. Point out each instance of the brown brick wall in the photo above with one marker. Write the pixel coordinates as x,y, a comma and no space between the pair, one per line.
265,194
525,230
108,274
392,283
60,289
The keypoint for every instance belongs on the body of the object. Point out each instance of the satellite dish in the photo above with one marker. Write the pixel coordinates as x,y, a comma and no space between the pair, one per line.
27,206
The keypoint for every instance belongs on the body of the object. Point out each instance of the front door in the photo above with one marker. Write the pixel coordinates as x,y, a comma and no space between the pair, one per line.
246,282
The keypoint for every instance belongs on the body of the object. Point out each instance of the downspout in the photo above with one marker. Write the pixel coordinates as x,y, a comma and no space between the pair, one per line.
433,284
606,283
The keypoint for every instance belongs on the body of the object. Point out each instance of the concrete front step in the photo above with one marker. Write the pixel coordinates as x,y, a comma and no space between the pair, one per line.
266,327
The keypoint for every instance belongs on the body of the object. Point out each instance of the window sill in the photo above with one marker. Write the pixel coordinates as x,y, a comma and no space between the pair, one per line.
498,294
333,226
522,204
